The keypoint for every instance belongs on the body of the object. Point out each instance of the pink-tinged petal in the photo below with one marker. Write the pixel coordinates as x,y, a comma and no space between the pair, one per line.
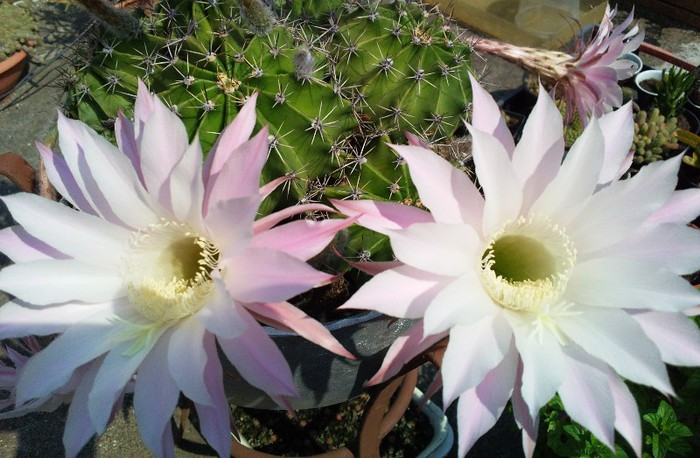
79,235
302,239
288,316
215,418
240,174
446,191
271,220
115,180
20,246
542,357
617,129
462,301
61,177
17,319
382,216
265,275
155,398
270,187
79,428
487,116
230,223
162,142
577,178
501,184
406,347
627,420
233,136
187,358
675,335
185,186
115,372
621,283
539,153
480,408
680,208
521,414
53,281
259,361
403,292
143,109
614,337
126,141
671,247
221,315
52,368
586,394
415,140
611,213
473,351
442,249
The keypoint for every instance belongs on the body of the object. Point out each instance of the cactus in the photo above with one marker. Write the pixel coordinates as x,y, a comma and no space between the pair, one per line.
337,80
673,91
654,136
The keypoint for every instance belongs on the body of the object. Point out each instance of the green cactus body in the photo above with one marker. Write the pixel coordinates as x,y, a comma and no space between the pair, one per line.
654,136
336,80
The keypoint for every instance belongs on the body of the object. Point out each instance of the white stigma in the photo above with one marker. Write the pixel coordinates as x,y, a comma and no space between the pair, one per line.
168,272
527,264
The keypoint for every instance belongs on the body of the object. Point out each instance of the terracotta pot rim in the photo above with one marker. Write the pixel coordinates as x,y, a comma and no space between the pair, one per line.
13,60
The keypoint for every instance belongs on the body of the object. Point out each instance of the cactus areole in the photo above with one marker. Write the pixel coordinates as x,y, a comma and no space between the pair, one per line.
336,82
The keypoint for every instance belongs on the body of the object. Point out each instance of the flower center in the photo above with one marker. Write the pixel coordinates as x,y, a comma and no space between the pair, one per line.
527,263
168,271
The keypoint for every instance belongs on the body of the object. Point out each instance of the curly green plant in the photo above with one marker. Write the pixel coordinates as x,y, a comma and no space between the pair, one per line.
673,91
18,29
654,136
693,141
337,80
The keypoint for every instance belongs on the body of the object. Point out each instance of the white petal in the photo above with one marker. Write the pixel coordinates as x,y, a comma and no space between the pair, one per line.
51,368
672,247
543,361
220,314
680,208
187,358
462,302
487,116
155,395
676,336
186,188
79,235
53,281
618,131
449,194
443,249
401,292
479,408
622,283
472,352
586,394
610,214
115,372
627,420
577,178
614,337
79,428
501,184
230,223
17,319
18,245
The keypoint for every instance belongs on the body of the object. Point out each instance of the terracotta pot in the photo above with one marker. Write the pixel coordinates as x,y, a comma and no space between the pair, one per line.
11,70
321,377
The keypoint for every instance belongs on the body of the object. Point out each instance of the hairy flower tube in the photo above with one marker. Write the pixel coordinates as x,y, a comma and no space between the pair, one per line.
159,263
559,279
587,79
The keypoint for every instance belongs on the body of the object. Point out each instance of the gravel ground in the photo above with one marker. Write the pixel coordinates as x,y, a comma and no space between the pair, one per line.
29,114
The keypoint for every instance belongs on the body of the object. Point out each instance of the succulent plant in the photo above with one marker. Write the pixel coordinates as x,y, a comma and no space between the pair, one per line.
693,141
654,136
673,89
18,29
337,80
